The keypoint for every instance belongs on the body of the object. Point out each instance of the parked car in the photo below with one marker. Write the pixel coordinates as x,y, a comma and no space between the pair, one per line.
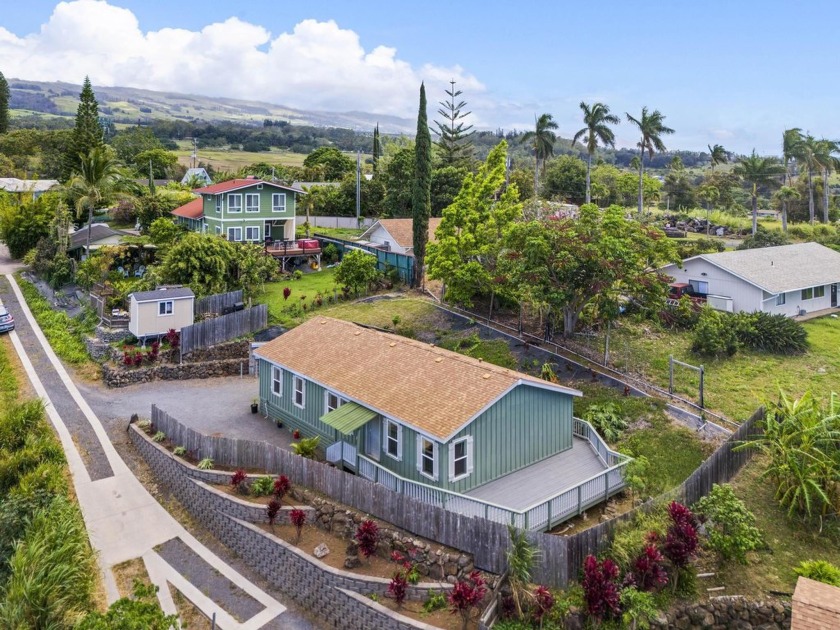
7,322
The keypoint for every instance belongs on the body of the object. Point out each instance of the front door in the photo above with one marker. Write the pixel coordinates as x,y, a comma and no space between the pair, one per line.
373,438
833,295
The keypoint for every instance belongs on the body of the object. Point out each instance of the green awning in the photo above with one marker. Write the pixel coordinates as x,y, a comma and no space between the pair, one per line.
348,417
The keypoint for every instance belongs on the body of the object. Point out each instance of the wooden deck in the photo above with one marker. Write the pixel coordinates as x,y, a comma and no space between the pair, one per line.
538,482
280,250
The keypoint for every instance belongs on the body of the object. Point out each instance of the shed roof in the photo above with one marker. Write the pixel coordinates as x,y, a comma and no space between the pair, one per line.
98,232
191,210
402,230
816,606
431,389
780,269
236,184
163,294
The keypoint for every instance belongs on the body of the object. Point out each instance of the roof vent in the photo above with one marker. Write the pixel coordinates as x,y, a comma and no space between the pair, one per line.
357,333
392,344
439,359
486,376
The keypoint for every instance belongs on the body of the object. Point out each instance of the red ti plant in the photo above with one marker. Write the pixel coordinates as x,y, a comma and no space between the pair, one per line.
282,485
286,293
398,588
138,358
600,588
681,539
128,360
649,572
272,510
367,535
543,603
466,595
173,338
237,480
298,519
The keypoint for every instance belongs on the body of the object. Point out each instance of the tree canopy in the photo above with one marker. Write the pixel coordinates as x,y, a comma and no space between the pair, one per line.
87,132
454,134
4,104
330,163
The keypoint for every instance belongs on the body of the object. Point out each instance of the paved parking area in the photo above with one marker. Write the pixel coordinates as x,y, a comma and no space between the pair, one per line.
214,406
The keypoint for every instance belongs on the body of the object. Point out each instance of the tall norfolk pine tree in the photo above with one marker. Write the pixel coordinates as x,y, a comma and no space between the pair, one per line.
455,143
421,202
4,104
87,134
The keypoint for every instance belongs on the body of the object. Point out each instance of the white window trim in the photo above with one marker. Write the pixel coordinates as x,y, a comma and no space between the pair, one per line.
218,203
234,196
274,206
469,457
277,377
327,394
234,228
387,424
247,195
302,381
252,227
435,458
161,306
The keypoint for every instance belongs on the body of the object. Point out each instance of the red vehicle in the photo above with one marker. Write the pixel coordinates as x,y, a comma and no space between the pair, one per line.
676,290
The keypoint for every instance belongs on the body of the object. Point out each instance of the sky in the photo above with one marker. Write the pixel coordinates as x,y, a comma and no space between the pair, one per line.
735,72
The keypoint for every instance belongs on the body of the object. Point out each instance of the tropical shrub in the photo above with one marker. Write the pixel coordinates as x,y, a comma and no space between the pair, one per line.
205,464
681,540
730,525
467,595
543,603
63,332
600,588
607,420
238,479
180,451
271,511
298,519
649,572
713,336
367,535
770,333
435,601
683,316
819,570
160,436
521,556
638,608
398,588
141,610
306,447
282,485
262,486
764,238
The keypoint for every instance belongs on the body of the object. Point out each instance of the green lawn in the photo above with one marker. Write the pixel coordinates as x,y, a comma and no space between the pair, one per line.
233,160
738,385
347,234
304,294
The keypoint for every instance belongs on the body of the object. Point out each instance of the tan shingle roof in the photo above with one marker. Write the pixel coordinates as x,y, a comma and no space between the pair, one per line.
816,606
429,388
783,268
403,231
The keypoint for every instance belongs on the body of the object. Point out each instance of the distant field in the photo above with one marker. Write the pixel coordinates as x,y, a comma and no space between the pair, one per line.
233,160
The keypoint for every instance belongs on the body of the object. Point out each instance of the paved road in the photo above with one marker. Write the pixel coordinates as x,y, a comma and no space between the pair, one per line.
123,520
7,265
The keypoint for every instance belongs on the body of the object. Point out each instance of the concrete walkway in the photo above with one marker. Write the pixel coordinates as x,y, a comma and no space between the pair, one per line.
124,521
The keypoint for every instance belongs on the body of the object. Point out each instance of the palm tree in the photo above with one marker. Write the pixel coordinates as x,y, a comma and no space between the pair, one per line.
758,171
596,118
710,194
791,138
824,156
806,152
543,139
717,155
652,127
785,195
99,179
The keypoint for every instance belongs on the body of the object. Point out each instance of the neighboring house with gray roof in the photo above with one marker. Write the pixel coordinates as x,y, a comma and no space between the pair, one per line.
154,313
100,235
199,174
788,279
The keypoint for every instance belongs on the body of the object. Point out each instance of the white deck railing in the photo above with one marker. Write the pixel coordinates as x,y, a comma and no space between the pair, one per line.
540,516
341,451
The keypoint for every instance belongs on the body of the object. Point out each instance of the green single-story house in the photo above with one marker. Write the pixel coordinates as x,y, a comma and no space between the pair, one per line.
246,210
423,413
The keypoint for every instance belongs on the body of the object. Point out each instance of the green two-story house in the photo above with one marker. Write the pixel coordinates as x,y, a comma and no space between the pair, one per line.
435,424
246,210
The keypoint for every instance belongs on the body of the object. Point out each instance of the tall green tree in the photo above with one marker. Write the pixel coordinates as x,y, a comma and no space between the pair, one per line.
376,152
201,261
785,196
469,239
87,132
596,120
717,155
454,134
825,155
4,104
542,139
328,164
652,127
98,180
710,194
791,139
564,266
758,171
421,202
807,154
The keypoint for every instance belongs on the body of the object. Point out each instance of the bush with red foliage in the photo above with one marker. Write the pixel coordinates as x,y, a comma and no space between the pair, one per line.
137,359
237,480
681,539
367,535
272,510
543,603
286,293
173,338
128,358
466,595
649,572
282,485
398,588
600,588
295,434
298,519
154,352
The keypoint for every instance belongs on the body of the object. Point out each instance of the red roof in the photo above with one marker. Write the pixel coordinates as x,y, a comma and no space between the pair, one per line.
234,184
192,210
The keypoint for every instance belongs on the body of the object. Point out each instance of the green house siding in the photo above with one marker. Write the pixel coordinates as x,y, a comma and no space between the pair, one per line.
219,221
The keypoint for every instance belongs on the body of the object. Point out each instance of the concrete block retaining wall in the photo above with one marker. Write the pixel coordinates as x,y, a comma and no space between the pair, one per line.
340,597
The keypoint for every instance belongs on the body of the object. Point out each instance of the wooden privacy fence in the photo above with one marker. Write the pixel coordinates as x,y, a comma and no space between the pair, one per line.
218,302
561,556
220,329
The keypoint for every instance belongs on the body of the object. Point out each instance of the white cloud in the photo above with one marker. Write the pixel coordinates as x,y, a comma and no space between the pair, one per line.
318,65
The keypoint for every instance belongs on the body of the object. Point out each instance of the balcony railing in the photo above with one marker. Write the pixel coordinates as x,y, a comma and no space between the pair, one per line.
342,452
540,516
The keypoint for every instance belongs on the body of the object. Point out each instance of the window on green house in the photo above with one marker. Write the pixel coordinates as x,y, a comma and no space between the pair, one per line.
278,202
252,202
427,462
276,381
252,233
234,202
234,234
393,439
332,401
300,392
460,458
218,203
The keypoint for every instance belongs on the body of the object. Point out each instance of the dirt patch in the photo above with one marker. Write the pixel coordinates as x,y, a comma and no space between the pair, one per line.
126,572
442,618
191,618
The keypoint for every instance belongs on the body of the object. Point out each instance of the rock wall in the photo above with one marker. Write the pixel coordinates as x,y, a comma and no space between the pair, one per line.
339,597
727,612
118,376
112,335
232,350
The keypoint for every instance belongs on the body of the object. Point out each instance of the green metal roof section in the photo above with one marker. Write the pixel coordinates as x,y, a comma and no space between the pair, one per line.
349,417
